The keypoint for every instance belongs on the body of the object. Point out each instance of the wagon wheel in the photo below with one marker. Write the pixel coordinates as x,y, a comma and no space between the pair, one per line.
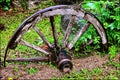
59,46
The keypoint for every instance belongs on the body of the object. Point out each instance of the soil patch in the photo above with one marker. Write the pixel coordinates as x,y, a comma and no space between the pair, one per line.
47,71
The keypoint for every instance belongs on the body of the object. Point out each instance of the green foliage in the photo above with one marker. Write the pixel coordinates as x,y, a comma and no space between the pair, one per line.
84,74
90,34
112,51
45,4
113,77
109,14
24,4
16,69
96,73
5,4
32,70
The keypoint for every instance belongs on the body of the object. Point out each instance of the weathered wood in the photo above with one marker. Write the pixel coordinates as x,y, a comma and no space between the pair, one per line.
80,32
63,12
33,47
54,31
42,37
26,28
44,59
98,26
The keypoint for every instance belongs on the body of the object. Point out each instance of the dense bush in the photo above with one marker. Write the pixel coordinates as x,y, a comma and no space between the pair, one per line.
108,13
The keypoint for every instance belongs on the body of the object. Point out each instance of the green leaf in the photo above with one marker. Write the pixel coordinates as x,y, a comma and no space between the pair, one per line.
111,26
5,8
8,1
32,70
91,5
112,51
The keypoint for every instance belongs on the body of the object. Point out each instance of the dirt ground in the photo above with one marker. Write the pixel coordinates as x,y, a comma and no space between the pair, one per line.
46,71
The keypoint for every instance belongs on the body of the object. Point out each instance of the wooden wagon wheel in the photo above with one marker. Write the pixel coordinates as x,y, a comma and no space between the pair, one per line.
57,49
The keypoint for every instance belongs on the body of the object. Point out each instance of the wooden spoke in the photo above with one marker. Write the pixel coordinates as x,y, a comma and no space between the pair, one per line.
42,37
33,47
80,32
54,31
36,21
45,59
68,31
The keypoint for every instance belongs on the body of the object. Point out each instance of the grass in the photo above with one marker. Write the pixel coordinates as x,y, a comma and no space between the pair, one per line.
11,23
32,70
31,36
96,73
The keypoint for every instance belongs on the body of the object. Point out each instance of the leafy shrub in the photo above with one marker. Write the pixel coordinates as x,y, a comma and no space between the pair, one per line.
108,13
